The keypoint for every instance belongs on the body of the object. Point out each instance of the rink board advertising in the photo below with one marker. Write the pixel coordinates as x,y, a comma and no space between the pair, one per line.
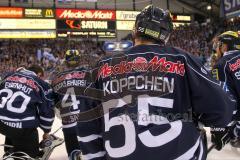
125,25
27,24
39,13
127,15
28,34
85,25
7,12
231,8
181,18
85,14
100,34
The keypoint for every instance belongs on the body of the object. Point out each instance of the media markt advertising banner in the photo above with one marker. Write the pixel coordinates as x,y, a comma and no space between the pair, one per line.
85,14
39,13
231,8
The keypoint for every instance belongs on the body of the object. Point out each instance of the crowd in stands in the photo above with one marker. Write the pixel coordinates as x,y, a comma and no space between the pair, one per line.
47,53
196,39
233,25
193,39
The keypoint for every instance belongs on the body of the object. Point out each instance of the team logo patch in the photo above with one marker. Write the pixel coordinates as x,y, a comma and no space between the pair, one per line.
23,80
75,75
139,64
233,67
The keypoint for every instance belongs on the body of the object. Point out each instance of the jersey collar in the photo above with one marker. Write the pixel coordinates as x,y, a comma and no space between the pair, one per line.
25,71
229,52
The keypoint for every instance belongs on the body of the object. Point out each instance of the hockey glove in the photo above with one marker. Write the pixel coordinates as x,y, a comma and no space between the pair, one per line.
220,137
235,142
236,130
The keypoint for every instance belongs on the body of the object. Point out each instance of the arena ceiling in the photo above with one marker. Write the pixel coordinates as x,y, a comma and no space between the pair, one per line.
200,6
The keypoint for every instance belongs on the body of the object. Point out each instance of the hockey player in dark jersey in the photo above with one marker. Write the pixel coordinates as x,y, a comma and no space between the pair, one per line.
65,85
74,75
227,71
154,95
25,105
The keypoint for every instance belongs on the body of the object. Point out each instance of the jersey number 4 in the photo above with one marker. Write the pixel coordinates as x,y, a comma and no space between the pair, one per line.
74,102
146,137
11,97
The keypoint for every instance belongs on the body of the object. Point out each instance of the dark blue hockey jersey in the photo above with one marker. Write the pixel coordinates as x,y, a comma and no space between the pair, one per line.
153,97
227,70
64,85
69,87
26,101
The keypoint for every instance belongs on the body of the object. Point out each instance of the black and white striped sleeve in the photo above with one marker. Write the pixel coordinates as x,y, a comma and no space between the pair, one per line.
46,111
90,140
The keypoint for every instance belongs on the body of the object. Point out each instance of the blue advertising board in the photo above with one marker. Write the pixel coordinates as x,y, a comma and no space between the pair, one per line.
231,8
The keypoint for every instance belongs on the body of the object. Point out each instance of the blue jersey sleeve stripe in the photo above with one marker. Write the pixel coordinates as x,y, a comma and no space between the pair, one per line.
15,119
94,155
45,127
89,138
47,119
70,125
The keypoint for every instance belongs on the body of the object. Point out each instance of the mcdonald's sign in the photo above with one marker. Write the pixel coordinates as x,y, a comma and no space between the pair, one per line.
49,13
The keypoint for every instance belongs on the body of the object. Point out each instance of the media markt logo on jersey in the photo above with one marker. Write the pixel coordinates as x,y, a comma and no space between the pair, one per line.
49,13
141,64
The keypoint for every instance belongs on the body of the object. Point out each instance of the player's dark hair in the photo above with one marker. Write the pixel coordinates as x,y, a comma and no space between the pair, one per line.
36,69
146,38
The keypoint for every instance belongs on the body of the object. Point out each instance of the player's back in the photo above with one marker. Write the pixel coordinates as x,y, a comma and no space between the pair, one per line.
68,87
227,70
22,92
227,65
150,94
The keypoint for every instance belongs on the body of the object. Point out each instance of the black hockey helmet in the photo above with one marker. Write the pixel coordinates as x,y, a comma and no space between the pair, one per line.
154,22
231,38
72,57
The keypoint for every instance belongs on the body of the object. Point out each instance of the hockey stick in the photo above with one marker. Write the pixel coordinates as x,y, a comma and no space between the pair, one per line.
57,130
48,149
210,148
22,157
5,145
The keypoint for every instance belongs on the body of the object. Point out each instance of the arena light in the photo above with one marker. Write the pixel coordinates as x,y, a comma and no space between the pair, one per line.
209,7
117,46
